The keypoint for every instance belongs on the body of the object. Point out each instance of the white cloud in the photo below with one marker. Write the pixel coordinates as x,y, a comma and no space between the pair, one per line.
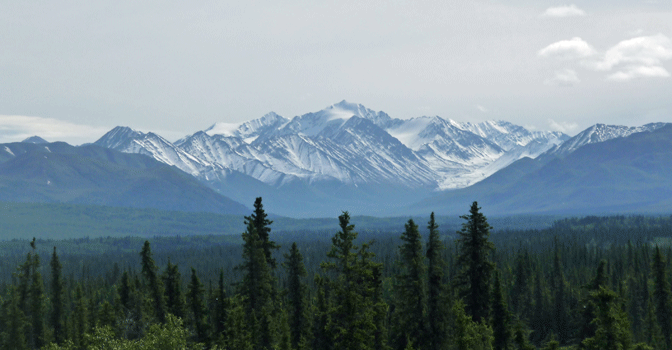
481,108
18,127
644,51
563,11
639,72
565,127
568,49
565,77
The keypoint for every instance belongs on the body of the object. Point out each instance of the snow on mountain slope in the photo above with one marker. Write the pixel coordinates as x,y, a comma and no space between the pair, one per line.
250,130
507,135
330,119
346,144
127,140
600,133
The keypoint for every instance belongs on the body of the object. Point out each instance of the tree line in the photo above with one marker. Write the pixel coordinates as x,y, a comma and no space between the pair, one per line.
424,293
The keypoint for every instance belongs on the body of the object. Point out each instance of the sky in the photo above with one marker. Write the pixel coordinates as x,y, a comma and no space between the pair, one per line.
72,70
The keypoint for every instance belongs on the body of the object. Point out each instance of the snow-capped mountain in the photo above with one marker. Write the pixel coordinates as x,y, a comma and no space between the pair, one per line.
127,140
600,133
248,131
344,146
508,136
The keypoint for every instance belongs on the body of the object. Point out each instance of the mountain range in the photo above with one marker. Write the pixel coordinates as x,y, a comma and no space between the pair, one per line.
345,156
602,170
349,157
60,173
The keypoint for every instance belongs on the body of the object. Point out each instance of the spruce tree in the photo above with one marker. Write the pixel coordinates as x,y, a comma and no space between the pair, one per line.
15,322
652,333
256,288
262,225
351,315
613,328
296,296
662,297
410,312
501,318
474,260
37,306
322,337
521,298
221,309
467,334
560,318
196,302
520,337
80,318
153,283
436,298
57,304
172,281
588,312
380,310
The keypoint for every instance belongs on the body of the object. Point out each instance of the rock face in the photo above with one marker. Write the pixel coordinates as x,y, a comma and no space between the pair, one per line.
344,153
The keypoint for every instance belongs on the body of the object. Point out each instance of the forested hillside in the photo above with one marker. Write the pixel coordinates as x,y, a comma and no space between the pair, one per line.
582,283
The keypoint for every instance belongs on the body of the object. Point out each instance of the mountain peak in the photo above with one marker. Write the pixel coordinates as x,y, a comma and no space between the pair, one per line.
117,136
35,139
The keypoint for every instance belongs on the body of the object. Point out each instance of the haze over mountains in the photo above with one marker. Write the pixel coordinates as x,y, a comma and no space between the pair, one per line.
348,157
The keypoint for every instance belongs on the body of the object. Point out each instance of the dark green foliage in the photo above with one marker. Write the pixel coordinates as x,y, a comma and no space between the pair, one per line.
322,336
196,302
297,291
58,308
256,288
220,310
352,309
262,225
560,319
37,306
410,302
520,338
152,282
501,318
474,261
467,334
588,312
662,297
110,307
436,294
80,318
172,281
612,326
14,322
521,292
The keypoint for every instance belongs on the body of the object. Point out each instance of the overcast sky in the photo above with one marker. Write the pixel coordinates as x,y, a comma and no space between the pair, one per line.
72,70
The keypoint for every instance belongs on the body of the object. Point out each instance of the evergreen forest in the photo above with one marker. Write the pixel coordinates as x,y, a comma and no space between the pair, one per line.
580,283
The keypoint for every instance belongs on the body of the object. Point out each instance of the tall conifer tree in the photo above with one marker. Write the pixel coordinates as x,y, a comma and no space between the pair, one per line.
436,298
351,315
57,304
153,282
221,309
501,318
662,297
410,312
474,260
262,225
296,296
37,306
172,280
196,302
256,288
